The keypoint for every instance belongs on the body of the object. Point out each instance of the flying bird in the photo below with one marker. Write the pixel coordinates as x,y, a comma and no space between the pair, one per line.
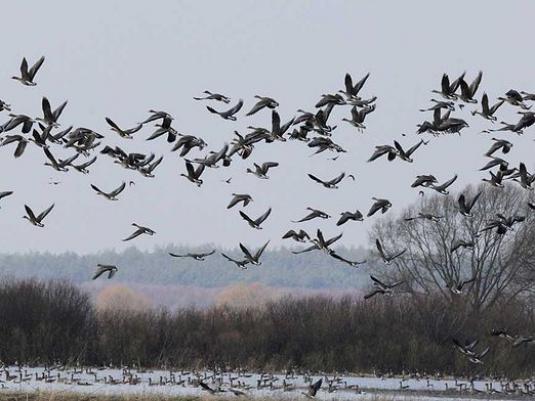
197,256
140,230
110,195
37,220
230,113
27,76
257,222
386,257
110,269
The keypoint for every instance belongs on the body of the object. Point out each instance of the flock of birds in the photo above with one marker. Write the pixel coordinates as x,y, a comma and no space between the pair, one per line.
313,129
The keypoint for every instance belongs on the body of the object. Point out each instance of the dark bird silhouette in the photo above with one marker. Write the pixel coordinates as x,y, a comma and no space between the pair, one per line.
214,96
387,257
110,269
262,103
300,236
381,288
380,204
466,206
110,195
197,256
245,199
333,183
257,222
124,133
37,220
27,76
346,216
194,174
230,113
314,213
254,259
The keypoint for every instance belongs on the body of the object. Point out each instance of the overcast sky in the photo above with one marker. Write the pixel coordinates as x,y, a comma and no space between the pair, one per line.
122,58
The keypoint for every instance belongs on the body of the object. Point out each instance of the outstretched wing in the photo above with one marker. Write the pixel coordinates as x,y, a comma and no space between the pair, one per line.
35,68
45,213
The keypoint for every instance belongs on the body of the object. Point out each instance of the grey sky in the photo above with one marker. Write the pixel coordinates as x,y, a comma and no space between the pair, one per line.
121,58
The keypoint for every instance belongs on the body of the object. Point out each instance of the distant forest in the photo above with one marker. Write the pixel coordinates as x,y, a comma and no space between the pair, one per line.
280,268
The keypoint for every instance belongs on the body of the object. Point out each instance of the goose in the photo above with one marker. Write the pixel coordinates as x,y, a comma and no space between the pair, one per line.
253,259
468,349
59,164
498,144
332,184
147,171
424,181
495,161
237,198
319,243
37,220
261,170
262,103
379,204
110,195
21,144
51,117
330,100
4,194
477,358
349,262
358,116
527,96
381,288
323,144
527,120
352,91
300,236
486,111
514,98
27,76
313,389
140,230
197,256
406,154
346,216
468,92
425,216
110,269
157,115
123,133
461,244
278,130
16,120
526,179
440,104
515,341
495,179
82,168
4,106
387,258
193,174
214,96
381,150
314,213
256,223
442,188
164,128
465,206
456,287
188,142
448,90
242,264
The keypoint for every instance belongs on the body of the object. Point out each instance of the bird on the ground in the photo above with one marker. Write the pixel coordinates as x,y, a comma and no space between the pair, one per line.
387,257
27,76
139,231
197,256
37,220
257,222
110,269
110,195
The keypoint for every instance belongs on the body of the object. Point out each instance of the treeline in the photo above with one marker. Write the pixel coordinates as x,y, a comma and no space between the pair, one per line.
280,268
44,323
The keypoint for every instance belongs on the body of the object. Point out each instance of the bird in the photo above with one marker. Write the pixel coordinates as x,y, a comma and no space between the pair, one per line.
465,206
194,174
352,91
448,90
498,144
349,262
468,91
37,220
51,117
228,114
314,213
442,188
320,243
245,199
110,269
406,154
313,389
257,222
424,216
214,96
381,288
140,230
242,264
387,258
261,170
4,194
124,133
495,161
197,256
262,103
380,204
381,150
346,216
333,183
358,116
456,287
514,98
254,259
424,181
486,111
300,236
461,244
468,350
110,195
515,341
27,76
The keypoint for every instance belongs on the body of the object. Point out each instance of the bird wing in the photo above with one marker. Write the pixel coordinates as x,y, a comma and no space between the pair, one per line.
275,122
176,255
246,252
111,273
496,106
247,218
475,83
310,248
44,213
313,389
485,104
373,293
358,86
336,180
261,219
343,219
289,234
233,110
234,201
47,110
99,272
379,282
207,253
56,113
98,189
135,234
50,156
118,190
261,251
29,212
113,125
380,248
375,207
190,169
474,200
348,81
267,165
35,68
332,240
313,177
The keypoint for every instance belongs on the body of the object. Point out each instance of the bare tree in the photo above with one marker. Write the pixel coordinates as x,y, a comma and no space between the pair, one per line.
490,251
